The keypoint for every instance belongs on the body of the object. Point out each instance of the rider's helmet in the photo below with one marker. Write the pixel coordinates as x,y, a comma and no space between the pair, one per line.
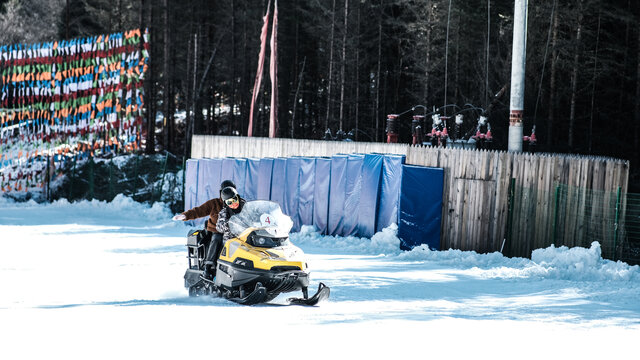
227,183
230,197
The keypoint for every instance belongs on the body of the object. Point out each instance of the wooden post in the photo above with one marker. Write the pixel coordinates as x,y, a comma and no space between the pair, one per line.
615,225
555,212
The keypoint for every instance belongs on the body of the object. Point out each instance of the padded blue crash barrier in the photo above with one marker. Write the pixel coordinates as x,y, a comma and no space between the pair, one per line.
278,181
208,179
264,179
342,195
321,193
306,187
337,195
370,194
353,192
239,175
420,207
191,184
390,190
228,168
252,179
292,191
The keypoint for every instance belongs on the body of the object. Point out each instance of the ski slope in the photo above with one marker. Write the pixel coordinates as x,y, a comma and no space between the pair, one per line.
96,280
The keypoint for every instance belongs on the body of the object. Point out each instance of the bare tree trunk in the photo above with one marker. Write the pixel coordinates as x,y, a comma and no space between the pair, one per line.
193,124
378,82
357,83
295,63
552,86
188,95
427,57
344,60
593,89
574,77
67,19
488,44
149,88
456,70
244,98
165,77
295,98
623,75
232,96
636,141
120,20
329,85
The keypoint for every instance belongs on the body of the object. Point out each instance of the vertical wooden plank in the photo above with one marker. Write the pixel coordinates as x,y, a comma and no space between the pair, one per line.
550,189
496,226
447,204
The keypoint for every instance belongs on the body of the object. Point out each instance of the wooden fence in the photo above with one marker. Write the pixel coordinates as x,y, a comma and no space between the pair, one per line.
476,214
477,185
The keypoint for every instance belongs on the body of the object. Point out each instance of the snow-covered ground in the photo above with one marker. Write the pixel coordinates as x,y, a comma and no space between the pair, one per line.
96,280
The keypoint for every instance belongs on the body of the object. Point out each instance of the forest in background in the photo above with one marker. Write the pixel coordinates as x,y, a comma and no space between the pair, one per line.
346,64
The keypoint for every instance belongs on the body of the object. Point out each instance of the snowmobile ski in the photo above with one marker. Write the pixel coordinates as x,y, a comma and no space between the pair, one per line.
322,294
257,296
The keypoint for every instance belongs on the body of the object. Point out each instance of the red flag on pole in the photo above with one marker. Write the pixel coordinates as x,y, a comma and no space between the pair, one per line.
273,67
256,85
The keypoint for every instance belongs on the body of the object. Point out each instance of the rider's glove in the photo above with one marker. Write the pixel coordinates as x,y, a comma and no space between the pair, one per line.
179,217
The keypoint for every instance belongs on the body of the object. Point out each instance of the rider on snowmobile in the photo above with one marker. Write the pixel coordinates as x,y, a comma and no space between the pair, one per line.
210,237
233,204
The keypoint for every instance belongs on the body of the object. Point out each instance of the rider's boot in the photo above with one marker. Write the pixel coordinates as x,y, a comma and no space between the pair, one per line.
208,273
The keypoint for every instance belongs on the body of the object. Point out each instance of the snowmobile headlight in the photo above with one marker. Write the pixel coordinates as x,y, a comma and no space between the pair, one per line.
265,241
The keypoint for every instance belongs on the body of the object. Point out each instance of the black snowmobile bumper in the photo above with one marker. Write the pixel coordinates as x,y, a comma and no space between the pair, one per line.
232,276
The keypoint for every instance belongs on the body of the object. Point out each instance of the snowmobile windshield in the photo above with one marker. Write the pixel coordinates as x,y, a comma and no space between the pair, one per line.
265,217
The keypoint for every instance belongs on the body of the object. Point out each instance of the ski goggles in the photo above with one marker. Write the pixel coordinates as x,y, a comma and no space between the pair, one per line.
231,201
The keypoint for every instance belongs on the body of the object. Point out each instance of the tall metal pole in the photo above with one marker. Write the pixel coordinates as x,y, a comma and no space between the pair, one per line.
518,62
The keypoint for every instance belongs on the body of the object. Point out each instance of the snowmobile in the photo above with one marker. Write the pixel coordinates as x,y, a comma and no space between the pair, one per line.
257,264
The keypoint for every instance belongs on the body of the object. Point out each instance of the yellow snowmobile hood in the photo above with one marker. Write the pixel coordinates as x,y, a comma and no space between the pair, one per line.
239,252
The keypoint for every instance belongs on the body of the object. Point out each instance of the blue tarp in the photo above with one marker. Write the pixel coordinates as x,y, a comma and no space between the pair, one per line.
370,194
208,179
292,191
337,195
420,206
252,179
353,192
239,175
264,179
191,184
390,191
228,167
307,187
342,195
278,181
321,194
